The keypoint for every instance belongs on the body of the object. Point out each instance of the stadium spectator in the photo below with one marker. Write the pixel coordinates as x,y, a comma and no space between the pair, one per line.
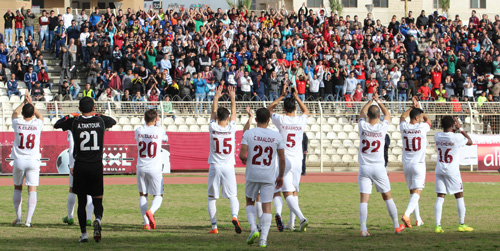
37,93
74,89
43,77
18,24
8,18
12,86
64,92
30,77
88,91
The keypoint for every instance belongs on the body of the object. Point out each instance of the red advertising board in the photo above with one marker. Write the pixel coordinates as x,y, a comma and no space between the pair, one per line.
488,156
188,150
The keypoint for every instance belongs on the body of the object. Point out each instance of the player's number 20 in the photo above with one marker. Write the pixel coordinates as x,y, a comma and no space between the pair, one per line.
147,148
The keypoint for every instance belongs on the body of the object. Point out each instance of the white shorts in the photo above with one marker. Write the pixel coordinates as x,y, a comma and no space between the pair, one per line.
294,165
448,184
266,191
221,176
291,182
26,168
377,175
150,182
415,176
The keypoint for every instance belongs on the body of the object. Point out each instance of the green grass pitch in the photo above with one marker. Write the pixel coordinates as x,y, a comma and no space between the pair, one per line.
183,222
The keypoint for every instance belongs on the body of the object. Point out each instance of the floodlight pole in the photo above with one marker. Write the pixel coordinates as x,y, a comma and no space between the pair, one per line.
406,8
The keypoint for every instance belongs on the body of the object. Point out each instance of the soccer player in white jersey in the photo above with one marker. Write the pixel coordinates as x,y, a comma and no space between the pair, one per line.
291,128
70,205
221,176
414,143
260,147
26,155
448,179
149,138
371,162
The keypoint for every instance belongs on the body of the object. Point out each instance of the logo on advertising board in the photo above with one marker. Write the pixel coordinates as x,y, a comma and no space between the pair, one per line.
489,156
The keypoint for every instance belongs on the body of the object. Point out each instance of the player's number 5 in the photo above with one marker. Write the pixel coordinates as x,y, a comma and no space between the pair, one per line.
290,141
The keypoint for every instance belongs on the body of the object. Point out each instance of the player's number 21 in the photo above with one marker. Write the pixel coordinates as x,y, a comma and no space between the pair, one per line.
85,136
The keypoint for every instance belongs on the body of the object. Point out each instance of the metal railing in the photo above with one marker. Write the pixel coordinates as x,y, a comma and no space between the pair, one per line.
332,126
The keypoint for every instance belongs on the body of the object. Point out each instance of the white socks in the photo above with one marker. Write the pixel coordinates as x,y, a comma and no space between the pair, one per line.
363,215
266,225
461,210
278,204
71,204
251,218
212,211
143,205
157,200
438,209
235,206
412,204
31,206
293,204
417,212
90,207
18,201
393,212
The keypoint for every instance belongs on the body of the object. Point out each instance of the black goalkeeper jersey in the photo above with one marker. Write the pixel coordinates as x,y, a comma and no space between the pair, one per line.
88,135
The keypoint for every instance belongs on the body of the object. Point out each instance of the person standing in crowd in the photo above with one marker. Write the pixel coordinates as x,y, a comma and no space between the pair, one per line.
29,22
8,18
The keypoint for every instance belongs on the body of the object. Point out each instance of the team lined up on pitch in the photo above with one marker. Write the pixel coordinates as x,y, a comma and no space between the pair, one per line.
272,158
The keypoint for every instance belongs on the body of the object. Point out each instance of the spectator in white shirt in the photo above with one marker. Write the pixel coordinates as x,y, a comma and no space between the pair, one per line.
67,18
469,88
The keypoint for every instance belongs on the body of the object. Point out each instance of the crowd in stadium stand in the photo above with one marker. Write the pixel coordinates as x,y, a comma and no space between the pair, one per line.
184,54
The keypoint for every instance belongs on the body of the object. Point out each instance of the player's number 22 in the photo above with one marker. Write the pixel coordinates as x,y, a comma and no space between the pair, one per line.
375,144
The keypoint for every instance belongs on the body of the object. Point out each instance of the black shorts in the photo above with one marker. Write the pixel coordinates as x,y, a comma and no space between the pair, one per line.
88,178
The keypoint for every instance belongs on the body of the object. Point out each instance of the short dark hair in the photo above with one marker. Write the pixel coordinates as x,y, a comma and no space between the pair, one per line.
86,105
28,110
289,104
262,115
222,113
373,112
415,112
447,122
150,116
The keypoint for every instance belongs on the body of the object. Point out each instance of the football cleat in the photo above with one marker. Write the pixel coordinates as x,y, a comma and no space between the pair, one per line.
89,223
438,230
279,223
17,222
364,233
214,231
151,219
28,224
251,238
146,227
303,225
68,221
262,243
399,229
464,228
406,220
419,223
97,231
237,227
83,239
290,227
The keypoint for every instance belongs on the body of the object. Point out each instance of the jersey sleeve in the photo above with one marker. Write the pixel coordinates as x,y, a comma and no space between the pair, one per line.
135,133
281,144
385,126
108,121
361,122
244,140
403,125
303,120
276,118
64,123
426,127
462,140
14,123
164,135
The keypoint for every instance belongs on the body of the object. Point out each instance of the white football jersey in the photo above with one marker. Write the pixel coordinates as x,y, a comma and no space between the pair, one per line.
414,142
27,138
70,149
448,146
222,144
372,142
149,140
263,145
292,131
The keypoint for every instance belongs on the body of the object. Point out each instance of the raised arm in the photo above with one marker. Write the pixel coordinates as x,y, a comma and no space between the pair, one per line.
232,96
18,110
218,94
407,112
364,110
273,105
302,106
387,114
249,122
462,131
